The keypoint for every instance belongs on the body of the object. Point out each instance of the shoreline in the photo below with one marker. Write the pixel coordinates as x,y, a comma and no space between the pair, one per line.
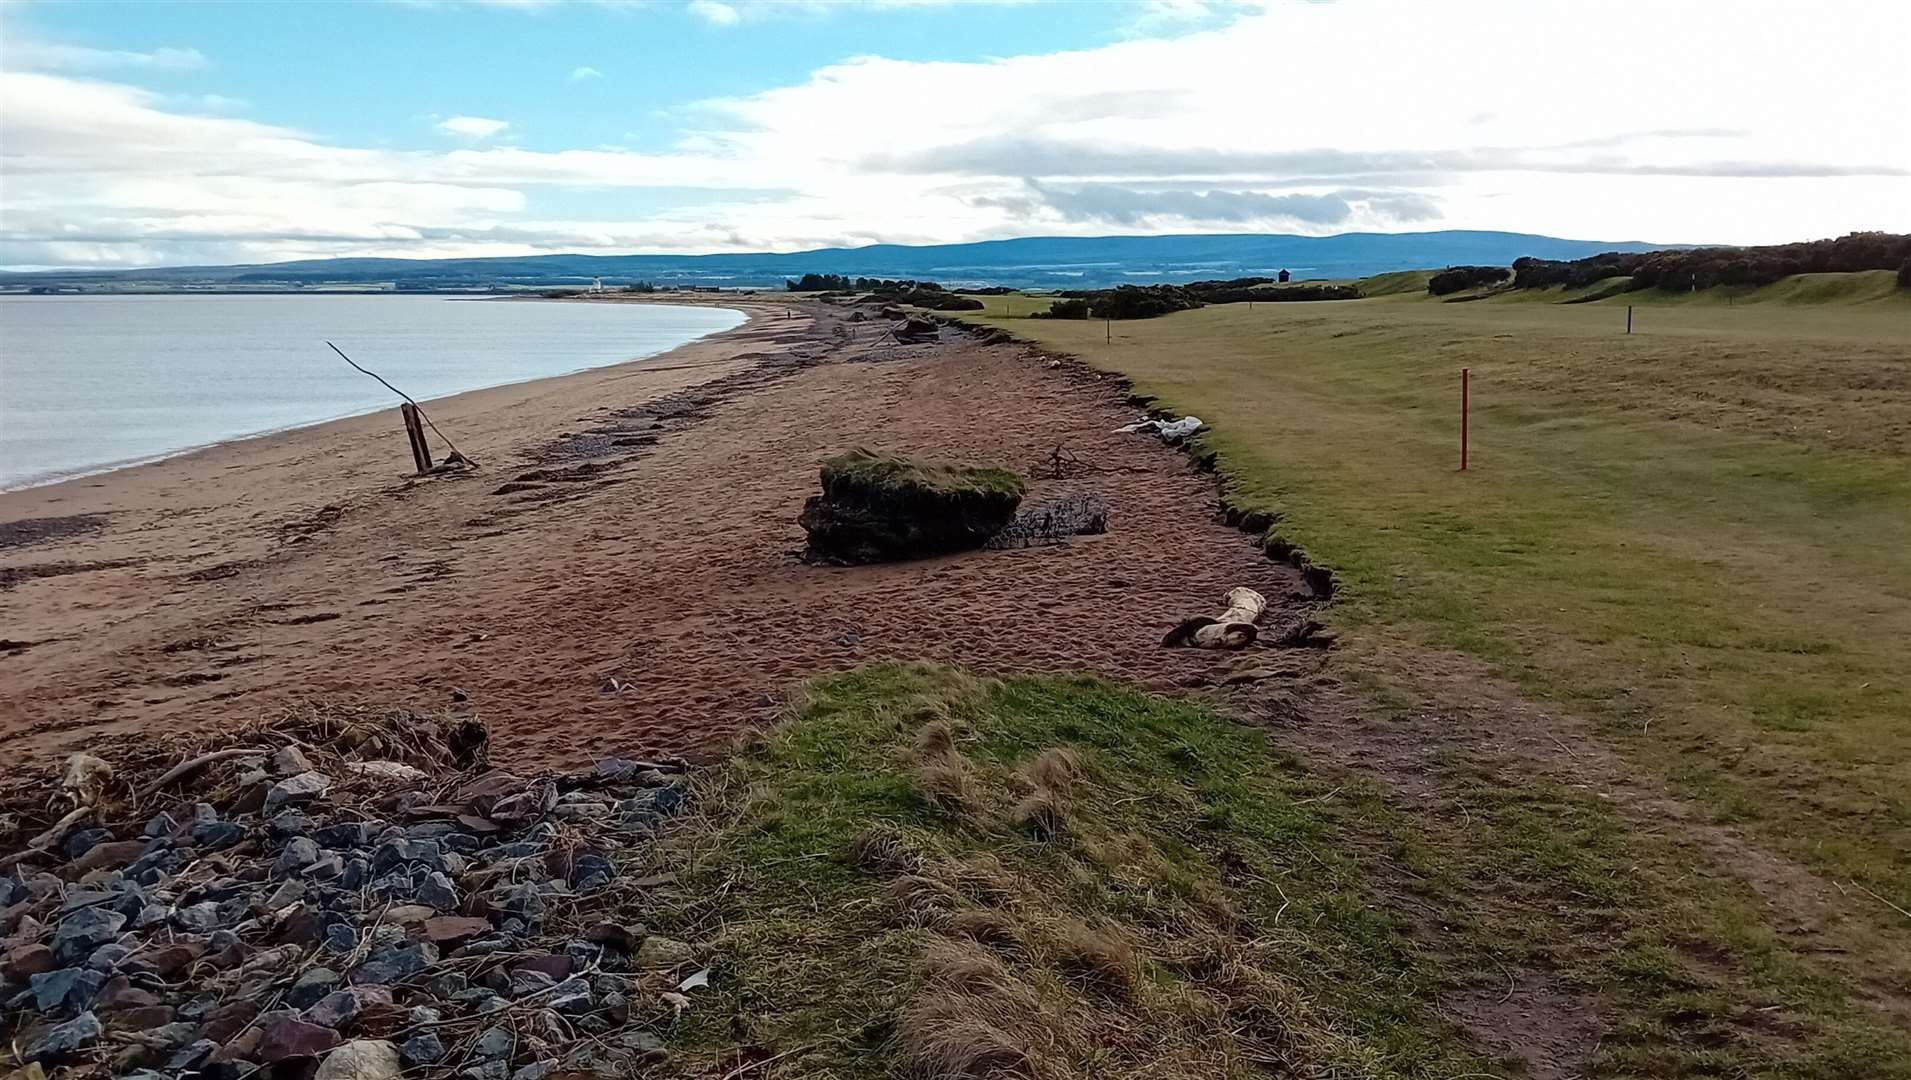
85,472
623,573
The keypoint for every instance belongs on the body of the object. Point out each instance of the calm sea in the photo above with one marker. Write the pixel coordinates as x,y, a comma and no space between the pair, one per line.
89,382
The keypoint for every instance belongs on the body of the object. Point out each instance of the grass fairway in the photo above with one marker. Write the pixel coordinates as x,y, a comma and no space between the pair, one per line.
1699,534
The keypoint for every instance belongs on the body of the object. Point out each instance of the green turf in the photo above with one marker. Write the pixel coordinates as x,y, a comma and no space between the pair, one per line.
1395,283
867,471
1257,937
1246,884
1696,534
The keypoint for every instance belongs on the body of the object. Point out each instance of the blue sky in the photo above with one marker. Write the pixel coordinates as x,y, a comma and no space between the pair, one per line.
182,132
356,72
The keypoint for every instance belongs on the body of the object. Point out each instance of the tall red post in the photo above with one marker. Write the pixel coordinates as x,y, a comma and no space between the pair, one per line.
1463,417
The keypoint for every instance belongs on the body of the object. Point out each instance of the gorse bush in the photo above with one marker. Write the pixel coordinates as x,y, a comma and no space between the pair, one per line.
1459,278
1703,268
1148,301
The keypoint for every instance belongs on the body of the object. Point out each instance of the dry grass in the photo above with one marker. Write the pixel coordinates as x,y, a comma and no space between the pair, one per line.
1056,769
882,849
1046,780
986,926
943,775
1040,814
969,1018
947,785
936,741
948,1037
980,876
923,901
1101,954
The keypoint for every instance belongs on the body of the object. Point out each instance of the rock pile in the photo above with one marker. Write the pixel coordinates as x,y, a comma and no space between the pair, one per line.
316,913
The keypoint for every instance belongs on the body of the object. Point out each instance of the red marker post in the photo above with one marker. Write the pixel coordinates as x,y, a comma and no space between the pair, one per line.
1463,417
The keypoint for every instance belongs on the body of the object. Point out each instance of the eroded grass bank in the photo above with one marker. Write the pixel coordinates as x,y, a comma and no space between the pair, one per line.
932,874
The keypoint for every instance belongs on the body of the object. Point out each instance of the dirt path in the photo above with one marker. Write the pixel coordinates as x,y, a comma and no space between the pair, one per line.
622,575
1465,719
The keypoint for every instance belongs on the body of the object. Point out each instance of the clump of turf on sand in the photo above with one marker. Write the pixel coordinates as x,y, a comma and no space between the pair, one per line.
1180,912
876,507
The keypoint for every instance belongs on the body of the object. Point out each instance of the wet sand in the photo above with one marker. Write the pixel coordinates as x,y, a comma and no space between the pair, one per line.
621,575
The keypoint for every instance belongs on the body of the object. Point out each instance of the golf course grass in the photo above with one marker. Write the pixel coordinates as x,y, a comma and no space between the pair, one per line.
1696,534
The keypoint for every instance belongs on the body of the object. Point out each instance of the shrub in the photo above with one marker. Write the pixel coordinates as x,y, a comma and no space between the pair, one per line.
1703,268
1459,278
1284,294
1141,302
1072,308
819,283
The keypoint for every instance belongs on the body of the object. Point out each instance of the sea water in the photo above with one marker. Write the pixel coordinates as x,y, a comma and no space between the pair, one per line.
92,382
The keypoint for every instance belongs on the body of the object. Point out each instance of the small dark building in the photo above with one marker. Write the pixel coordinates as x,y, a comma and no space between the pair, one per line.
1284,276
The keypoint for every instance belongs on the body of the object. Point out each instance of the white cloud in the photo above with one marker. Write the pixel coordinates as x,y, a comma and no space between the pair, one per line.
579,74
1313,118
714,12
472,127
27,54
720,13
212,103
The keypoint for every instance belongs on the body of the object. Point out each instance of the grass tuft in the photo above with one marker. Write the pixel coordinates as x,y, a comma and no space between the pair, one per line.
986,926
883,849
1100,954
923,901
1040,814
947,785
1056,769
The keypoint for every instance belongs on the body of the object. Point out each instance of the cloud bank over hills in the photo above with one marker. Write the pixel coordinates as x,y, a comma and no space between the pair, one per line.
1304,118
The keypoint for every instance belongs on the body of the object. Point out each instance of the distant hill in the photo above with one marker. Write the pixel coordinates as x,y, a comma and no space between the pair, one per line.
1028,262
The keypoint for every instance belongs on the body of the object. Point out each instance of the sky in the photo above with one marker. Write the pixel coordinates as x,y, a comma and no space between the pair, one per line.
176,133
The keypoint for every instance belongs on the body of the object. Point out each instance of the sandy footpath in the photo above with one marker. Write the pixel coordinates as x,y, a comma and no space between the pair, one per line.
622,574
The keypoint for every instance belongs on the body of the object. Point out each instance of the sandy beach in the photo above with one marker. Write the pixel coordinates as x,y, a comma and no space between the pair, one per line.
622,574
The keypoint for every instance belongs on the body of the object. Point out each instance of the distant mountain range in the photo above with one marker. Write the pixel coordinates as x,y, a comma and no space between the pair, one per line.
1028,262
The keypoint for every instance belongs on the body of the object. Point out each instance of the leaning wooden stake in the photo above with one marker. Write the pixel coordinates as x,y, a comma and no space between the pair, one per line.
415,431
453,458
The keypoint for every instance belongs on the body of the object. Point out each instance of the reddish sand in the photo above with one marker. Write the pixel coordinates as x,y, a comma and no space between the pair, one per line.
647,600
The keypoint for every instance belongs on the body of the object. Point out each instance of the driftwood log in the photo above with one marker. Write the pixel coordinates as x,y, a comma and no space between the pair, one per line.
1232,629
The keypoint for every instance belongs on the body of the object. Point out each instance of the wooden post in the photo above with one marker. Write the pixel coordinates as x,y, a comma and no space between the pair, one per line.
1463,417
1108,329
415,431
1628,318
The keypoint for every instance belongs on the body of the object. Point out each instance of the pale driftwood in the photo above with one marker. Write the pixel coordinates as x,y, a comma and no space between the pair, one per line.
1232,629
58,829
43,843
85,778
193,765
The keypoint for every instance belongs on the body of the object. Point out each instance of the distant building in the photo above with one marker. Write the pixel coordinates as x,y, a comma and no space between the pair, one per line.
1284,276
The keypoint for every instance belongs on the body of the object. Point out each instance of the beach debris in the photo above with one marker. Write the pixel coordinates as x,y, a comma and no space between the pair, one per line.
344,894
1053,521
1170,431
414,414
1065,464
877,507
914,329
1234,628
